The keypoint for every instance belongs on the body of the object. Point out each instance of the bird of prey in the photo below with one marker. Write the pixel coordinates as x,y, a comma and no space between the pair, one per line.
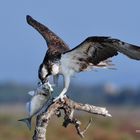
93,52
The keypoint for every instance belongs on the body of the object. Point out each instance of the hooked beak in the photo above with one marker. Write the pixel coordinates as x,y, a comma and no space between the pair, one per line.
42,82
45,80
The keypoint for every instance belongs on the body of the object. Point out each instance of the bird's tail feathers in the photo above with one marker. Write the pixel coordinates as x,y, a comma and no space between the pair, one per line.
106,64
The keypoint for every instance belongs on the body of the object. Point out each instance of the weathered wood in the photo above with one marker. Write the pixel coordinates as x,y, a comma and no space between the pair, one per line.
69,106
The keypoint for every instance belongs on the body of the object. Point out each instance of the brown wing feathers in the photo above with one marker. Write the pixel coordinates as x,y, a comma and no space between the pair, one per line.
53,41
95,52
94,49
103,53
106,47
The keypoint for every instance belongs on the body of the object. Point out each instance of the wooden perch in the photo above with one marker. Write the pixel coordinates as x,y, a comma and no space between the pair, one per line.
69,107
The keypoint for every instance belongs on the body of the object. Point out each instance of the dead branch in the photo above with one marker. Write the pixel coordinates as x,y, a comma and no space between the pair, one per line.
68,106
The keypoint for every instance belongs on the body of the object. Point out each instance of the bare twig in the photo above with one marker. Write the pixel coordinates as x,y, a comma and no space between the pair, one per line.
77,124
69,107
86,128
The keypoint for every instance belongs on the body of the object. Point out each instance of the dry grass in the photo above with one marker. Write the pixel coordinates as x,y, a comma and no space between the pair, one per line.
122,126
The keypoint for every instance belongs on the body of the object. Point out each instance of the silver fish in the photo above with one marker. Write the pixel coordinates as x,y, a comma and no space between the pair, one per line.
39,99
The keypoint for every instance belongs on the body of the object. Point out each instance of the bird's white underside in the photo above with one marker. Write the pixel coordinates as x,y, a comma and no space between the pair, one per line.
67,68
70,62
55,69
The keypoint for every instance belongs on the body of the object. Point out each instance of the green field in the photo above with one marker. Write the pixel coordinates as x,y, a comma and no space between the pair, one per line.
122,126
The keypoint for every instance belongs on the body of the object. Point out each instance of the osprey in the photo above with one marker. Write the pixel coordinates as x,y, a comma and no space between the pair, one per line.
93,52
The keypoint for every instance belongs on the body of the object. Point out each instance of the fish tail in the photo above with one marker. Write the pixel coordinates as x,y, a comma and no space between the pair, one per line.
27,121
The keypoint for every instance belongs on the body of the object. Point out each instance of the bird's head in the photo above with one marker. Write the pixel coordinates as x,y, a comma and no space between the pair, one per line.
45,70
43,73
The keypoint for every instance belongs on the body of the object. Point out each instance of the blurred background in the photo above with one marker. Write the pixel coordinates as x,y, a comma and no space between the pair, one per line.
23,49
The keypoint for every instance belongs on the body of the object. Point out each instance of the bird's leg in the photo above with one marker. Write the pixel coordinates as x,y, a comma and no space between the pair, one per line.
66,85
55,80
61,96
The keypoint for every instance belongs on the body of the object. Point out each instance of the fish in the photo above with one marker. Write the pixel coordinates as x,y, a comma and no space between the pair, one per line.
39,99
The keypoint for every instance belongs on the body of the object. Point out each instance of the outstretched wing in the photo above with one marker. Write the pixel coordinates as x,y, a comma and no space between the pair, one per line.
55,44
95,51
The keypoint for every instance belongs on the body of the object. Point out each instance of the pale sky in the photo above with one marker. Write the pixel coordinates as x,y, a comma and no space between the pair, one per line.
23,49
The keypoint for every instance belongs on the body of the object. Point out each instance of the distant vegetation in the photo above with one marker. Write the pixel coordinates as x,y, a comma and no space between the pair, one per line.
122,126
13,93
97,94
101,129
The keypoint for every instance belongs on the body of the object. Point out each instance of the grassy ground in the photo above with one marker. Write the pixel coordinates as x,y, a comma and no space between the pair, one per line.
122,126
